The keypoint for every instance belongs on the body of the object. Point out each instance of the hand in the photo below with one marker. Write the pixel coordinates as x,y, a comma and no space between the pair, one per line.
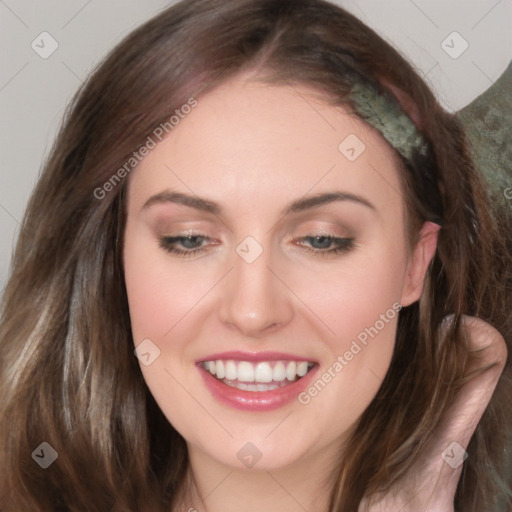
431,483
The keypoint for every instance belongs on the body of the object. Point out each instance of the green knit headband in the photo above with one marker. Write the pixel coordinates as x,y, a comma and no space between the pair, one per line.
386,115
383,112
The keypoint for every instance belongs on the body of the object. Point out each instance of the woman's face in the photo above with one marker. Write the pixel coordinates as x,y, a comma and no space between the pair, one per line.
289,221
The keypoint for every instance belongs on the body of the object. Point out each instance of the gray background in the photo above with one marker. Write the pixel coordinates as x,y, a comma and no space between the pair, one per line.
34,90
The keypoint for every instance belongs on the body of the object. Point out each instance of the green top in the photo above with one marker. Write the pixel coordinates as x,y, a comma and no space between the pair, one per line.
488,124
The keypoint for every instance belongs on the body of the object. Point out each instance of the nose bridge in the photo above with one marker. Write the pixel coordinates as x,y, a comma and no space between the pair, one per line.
254,299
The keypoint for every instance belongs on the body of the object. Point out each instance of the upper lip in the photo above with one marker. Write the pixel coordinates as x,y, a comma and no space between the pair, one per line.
237,355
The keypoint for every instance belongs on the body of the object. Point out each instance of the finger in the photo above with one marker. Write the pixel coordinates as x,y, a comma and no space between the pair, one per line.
432,481
459,423
463,417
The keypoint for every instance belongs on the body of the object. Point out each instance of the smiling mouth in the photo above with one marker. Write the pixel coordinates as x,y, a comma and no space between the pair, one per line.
261,376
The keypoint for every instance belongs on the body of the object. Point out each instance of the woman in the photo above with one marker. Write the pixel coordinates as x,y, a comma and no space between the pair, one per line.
264,203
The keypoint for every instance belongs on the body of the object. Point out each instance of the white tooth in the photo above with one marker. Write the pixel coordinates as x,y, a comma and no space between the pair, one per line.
219,369
263,373
302,368
206,365
212,367
250,387
230,370
245,371
267,387
278,373
291,370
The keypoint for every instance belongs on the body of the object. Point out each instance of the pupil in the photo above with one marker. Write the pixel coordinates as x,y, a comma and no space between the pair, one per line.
322,241
191,241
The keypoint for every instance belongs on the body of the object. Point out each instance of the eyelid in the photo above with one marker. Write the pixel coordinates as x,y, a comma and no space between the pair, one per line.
167,243
342,245
336,231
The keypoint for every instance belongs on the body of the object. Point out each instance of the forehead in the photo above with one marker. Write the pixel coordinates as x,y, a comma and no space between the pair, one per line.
248,142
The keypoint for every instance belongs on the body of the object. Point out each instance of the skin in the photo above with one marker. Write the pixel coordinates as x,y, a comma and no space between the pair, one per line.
253,149
431,483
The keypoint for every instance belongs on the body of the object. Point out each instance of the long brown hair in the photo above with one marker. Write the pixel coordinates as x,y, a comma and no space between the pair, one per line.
68,375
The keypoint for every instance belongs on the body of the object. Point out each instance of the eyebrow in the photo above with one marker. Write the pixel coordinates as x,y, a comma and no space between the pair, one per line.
299,205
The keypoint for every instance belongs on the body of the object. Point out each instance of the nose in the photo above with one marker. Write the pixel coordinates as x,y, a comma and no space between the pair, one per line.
254,300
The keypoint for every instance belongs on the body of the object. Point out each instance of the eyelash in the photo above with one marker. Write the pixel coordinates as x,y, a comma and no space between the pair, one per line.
343,245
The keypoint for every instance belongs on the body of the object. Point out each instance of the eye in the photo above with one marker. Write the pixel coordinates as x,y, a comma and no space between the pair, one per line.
325,245
185,245
189,245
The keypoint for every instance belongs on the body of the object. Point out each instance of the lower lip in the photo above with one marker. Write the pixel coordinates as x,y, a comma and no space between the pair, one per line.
255,400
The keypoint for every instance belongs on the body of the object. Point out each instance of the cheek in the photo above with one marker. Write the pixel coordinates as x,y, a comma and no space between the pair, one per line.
359,303
159,298
352,293
160,291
